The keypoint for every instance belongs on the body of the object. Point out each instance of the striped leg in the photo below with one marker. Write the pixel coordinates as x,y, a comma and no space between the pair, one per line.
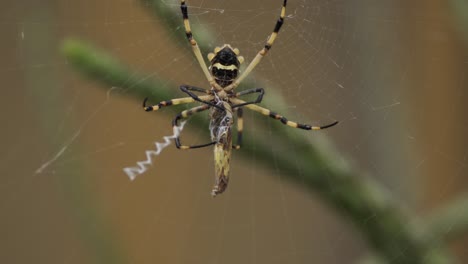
195,48
281,118
177,101
240,128
186,114
262,52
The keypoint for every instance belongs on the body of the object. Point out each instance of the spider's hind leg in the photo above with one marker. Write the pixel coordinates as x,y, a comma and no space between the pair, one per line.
183,115
240,128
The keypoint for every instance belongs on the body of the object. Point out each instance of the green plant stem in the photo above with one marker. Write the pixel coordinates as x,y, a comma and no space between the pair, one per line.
450,221
460,14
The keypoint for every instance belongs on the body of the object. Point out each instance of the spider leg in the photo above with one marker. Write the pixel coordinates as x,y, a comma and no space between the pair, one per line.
284,120
186,114
195,48
184,88
240,128
177,101
187,89
261,92
262,52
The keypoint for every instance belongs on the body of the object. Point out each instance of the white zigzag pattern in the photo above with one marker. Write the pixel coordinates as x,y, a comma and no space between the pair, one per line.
142,166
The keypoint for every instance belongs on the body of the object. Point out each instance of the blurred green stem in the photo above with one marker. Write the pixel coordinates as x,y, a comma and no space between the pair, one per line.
460,11
450,221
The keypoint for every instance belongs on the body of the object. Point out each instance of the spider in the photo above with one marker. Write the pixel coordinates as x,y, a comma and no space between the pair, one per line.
222,101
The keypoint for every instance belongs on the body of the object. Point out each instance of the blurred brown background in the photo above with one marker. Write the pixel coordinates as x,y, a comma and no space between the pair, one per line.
393,72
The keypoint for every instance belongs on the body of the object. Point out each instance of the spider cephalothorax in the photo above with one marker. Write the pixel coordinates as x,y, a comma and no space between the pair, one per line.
225,63
223,102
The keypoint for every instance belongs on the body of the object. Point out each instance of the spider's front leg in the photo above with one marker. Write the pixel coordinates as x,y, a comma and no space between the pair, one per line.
262,53
195,48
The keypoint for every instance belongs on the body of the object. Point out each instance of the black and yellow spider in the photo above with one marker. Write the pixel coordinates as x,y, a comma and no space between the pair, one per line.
222,100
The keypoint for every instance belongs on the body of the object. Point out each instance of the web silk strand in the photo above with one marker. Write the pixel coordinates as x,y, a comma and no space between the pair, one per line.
142,166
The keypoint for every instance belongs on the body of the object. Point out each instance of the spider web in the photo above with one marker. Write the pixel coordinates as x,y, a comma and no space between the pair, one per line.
393,73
